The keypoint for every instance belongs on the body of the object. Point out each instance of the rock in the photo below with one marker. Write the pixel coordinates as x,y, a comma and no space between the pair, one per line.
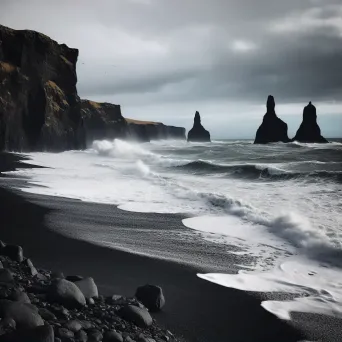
9,322
90,301
57,275
112,336
74,278
43,333
66,293
197,132
6,276
47,314
95,336
14,252
151,296
20,296
81,336
41,277
138,316
88,287
86,325
2,244
1,265
73,325
25,315
309,131
64,333
142,338
272,128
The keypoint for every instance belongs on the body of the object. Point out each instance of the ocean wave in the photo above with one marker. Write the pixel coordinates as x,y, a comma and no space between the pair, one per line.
258,171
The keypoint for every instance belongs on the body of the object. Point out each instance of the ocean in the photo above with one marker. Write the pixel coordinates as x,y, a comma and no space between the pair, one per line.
276,209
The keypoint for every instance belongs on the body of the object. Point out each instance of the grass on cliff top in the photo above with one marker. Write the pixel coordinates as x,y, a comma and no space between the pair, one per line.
95,104
139,122
6,67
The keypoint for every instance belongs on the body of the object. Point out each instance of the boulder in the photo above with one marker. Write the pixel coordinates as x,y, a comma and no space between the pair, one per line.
66,293
64,333
30,268
25,315
43,333
6,276
272,128
112,336
47,314
95,336
197,132
88,287
309,131
81,336
143,338
14,252
20,296
74,278
139,316
151,296
57,275
73,325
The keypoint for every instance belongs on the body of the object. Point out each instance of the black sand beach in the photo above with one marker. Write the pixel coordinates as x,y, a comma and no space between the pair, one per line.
195,309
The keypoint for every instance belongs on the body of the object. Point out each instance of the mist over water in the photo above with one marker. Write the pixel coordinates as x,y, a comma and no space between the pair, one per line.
280,203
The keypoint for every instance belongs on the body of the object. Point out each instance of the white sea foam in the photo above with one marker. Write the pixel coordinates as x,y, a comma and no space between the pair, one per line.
290,229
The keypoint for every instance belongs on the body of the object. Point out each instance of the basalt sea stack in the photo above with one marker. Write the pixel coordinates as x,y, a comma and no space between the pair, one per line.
198,133
309,130
272,128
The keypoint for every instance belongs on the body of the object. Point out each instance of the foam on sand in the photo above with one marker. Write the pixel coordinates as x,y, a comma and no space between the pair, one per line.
312,273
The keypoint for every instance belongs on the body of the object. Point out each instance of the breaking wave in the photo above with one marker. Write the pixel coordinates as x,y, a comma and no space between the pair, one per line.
258,171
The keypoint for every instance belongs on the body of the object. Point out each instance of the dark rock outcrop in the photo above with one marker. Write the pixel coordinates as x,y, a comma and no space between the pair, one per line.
272,128
197,132
309,130
39,105
151,296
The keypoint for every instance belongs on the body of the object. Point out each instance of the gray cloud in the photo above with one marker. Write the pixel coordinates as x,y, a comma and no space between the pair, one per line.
196,53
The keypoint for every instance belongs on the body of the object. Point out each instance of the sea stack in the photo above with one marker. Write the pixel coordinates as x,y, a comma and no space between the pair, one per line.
272,128
198,132
309,131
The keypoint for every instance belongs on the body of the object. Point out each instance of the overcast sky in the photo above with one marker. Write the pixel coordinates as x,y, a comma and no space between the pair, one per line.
164,59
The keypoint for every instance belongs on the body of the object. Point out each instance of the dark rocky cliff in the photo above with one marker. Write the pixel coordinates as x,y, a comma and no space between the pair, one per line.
198,132
39,105
309,130
105,121
148,130
272,128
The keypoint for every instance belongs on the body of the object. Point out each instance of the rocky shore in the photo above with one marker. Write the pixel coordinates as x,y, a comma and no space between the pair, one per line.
43,306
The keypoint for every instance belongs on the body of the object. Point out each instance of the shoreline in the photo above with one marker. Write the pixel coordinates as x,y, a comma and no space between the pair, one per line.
195,309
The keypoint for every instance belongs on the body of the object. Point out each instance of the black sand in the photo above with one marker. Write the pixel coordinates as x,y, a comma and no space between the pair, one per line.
195,309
